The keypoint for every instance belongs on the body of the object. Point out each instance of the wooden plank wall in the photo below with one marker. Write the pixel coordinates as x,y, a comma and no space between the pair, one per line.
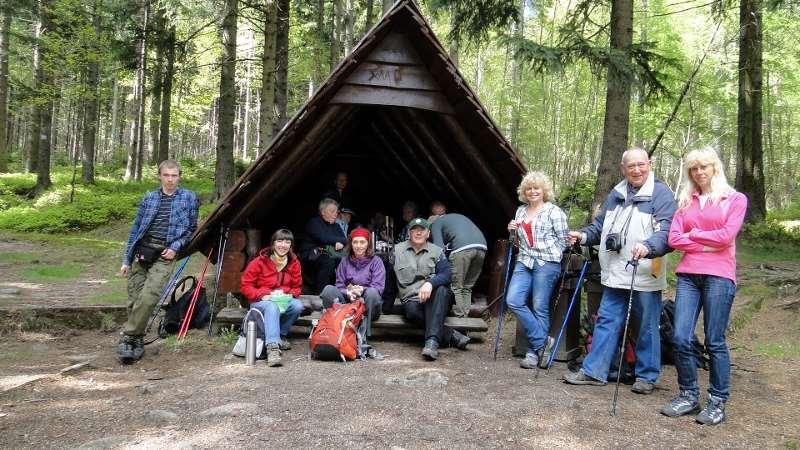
393,74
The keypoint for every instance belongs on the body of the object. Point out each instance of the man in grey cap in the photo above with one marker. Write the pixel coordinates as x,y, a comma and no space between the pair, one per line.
423,279
466,249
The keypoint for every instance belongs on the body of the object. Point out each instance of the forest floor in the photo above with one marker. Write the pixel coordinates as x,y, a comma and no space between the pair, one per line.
194,394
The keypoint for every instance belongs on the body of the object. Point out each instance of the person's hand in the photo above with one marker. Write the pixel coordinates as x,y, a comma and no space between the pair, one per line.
265,296
168,254
707,249
123,271
573,237
358,289
639,251
338,246
425,292
513,225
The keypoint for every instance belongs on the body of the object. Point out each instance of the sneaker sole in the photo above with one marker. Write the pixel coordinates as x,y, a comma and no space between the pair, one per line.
691,411
642,392
429,356
584,383
709,423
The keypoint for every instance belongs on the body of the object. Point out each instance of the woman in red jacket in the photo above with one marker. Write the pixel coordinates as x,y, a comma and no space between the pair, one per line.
272,275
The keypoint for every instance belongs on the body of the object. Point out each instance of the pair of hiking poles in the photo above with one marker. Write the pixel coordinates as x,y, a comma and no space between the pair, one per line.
570,307
170,286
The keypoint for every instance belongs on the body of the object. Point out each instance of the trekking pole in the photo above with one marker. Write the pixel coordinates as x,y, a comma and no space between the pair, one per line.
501,311
164,294
635,264
223,241
572,301
190,311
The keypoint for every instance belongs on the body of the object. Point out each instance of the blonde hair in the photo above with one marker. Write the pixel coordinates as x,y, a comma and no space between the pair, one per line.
538,179
719,184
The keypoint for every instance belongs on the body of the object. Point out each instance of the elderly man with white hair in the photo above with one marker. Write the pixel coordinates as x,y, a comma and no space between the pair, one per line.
632,225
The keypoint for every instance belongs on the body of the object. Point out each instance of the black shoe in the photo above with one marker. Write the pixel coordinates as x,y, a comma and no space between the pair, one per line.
431,349
459,340
125,352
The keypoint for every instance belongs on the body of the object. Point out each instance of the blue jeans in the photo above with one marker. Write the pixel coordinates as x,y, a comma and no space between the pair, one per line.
608,329
714,295
277,324
529,295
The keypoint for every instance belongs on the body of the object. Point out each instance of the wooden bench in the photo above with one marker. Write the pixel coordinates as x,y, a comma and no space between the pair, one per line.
234,316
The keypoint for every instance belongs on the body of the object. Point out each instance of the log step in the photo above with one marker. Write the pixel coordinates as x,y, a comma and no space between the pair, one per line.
234,316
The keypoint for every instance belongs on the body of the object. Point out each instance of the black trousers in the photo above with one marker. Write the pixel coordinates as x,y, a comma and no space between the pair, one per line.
432,314
322,271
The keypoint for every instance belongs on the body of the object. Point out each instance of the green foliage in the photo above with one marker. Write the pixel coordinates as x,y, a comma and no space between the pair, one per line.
108,200
771,234
227,337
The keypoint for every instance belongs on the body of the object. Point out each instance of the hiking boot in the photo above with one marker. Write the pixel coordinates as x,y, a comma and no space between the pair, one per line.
545,352
431,349
682,404
581,378
642,387
713,413
284,344
529,361
273,355
459,340
125,349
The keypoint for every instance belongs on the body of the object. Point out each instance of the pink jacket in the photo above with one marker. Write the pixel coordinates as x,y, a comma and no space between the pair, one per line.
716,226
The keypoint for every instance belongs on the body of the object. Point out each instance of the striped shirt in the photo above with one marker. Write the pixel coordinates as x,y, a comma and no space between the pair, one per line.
157,233
549,233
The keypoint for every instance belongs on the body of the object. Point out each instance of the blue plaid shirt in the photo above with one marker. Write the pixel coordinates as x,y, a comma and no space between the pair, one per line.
549,229
182,220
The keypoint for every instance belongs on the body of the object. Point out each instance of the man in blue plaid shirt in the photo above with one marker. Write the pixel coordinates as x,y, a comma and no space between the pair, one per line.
166,219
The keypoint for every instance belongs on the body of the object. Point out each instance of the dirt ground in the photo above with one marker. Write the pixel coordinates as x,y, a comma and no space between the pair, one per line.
196,395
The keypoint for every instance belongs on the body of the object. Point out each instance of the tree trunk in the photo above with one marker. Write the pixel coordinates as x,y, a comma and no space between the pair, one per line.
5,26
90,127
618,100
155,92
223,173
387,5
32,161
319,72
282,63
266,107
46,110
336,33
132,169
166,96
138,146
349,23
749,145
370,16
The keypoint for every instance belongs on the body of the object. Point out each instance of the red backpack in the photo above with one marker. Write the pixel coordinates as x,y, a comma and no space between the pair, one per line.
335,336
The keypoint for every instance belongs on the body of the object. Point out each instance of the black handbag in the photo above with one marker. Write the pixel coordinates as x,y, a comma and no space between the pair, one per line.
146,254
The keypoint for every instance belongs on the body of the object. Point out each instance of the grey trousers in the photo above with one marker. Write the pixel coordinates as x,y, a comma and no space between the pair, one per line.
467,266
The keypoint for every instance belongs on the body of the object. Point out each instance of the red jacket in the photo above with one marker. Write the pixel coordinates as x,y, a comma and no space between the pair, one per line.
261,277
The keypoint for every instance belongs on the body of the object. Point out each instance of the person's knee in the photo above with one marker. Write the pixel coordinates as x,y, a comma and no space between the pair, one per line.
295,307
683,342
329,296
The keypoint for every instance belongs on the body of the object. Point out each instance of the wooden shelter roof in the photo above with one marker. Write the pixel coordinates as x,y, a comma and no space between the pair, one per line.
400,118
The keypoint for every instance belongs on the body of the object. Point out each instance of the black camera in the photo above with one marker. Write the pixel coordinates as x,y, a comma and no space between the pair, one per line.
613,242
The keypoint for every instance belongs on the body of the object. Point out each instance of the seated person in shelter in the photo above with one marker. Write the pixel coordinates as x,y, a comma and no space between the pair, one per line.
423,278
274,273
360,275
322,252
344,218
409,212
339,191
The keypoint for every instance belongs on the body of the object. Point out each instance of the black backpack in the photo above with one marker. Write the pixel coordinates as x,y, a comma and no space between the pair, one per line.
666,328
175,310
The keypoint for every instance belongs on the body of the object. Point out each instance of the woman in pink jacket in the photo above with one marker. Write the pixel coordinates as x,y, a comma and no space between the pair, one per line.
704,228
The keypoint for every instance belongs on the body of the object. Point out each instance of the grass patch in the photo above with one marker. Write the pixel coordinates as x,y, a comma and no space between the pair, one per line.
227,337
745,315
117,297
778,350
52,273
18,258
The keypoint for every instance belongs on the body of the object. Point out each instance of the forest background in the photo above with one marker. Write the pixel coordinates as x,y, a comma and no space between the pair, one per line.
93,93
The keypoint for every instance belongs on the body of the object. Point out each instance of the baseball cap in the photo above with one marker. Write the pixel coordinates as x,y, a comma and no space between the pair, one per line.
418,222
